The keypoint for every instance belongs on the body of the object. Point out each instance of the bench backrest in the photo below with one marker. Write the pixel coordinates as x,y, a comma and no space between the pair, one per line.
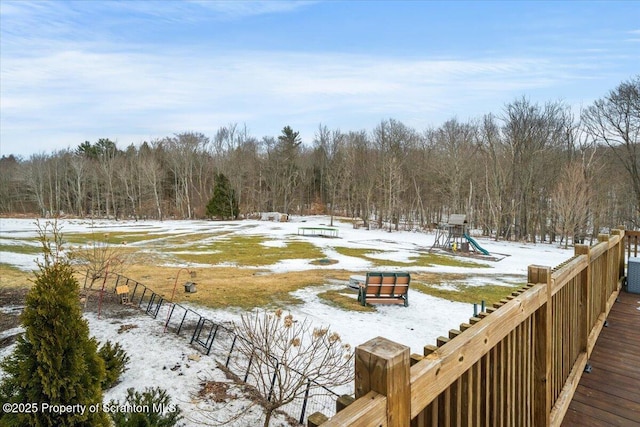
387,284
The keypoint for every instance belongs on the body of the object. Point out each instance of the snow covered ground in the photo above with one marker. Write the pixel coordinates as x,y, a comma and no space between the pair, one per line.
159,359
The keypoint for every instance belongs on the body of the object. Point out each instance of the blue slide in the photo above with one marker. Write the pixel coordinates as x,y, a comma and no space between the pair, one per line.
476,245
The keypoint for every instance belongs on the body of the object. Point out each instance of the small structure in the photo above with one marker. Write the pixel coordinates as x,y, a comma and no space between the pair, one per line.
123,292
450,235
190,287
633,276
453,236
274,216
318,231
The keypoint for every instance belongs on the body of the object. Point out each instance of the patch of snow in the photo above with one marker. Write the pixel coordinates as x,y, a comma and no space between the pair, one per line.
274,243
11,332
160,359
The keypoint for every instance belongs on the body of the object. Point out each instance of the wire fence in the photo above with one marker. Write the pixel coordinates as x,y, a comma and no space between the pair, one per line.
222,343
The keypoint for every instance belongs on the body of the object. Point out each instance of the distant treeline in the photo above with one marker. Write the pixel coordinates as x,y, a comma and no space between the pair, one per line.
528,172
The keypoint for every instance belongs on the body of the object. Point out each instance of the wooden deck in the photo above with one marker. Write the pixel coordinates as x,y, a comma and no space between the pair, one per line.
610,394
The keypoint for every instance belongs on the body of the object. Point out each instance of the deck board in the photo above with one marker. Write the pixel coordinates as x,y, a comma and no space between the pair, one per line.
610,394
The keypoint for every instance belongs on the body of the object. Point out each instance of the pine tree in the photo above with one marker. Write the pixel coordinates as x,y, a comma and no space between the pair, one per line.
55,362
224,203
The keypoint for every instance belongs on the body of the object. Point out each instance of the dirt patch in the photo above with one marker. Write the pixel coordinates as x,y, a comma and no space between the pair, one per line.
125,328
11,296
12,303
107,304
215,391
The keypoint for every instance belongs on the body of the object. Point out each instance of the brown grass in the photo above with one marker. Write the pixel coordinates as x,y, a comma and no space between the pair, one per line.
222,287
12,277
247,288
341,299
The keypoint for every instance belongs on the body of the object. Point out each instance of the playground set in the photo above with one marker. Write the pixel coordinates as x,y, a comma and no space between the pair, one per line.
453,236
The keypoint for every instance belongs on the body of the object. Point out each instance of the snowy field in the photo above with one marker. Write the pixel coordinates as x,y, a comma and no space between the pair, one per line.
159,359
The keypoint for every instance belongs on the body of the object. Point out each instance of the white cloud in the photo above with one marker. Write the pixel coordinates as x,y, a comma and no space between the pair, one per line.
75,79
72,90
237,9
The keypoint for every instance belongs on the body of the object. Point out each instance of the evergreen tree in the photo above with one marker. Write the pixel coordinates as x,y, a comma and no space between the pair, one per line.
224,203
55,362
162,413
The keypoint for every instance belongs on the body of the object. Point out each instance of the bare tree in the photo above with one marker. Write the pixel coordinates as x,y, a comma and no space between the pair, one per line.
98,258
330,148
495,162
393,141
79,169
570,202
360,173
290,359
244,165
502,172
186,151
36,179
615,120
12,185
107,158
128,174
151,170
454,142
530,133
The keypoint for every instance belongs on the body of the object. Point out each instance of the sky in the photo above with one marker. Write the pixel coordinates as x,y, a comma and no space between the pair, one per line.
135,71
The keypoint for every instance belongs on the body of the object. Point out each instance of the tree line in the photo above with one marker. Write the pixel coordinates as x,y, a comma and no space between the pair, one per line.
532,171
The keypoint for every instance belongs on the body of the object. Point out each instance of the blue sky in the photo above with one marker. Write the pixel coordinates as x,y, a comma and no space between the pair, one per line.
139,70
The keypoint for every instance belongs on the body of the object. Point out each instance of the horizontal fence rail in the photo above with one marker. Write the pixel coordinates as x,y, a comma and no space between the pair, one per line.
214,339
515,364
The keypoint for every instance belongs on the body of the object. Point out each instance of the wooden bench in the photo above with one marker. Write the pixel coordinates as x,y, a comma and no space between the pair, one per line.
385,288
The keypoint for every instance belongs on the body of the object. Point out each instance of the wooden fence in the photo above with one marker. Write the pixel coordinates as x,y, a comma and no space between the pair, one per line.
516,364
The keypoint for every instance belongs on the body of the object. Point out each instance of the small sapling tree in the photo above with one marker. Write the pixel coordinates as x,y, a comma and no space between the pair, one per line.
99,258
55,362
290,359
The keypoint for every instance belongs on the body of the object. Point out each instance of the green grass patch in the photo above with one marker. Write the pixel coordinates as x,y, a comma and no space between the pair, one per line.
466,293
249,251
422,260
21,249
341,300
365,254
109,238
199,239
429,259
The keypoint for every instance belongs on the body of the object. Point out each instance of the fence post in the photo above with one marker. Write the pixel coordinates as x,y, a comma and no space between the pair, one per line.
383,366
585,311
542,361
604,279
620,232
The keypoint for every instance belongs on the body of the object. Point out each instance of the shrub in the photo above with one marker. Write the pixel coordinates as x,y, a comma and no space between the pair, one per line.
54,361
151,408
115,363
